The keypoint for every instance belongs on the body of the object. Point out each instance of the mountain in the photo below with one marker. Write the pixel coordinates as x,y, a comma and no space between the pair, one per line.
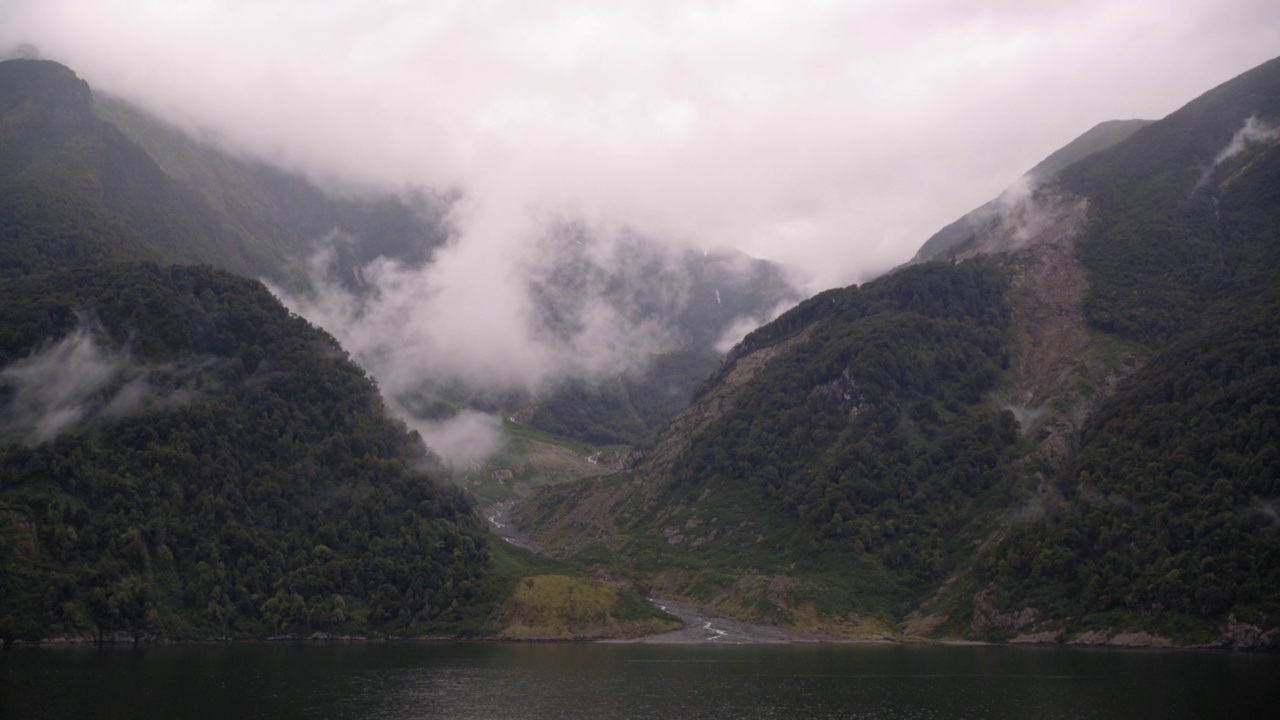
89,180
1064,429
952,239
688,304
285,211
182,457
92,179
76,192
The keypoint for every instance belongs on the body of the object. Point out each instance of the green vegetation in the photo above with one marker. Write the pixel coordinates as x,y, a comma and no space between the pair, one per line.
1173,501
865,467
1170,235
530,458
564,607
873,431
853,473
630,409
257,488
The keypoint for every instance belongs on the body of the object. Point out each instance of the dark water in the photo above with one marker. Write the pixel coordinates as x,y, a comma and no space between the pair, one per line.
495,681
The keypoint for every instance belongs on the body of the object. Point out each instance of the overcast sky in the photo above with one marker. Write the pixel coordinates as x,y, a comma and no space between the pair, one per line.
836,136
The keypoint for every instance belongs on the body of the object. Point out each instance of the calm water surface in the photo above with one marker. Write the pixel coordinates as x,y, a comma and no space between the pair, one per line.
445,681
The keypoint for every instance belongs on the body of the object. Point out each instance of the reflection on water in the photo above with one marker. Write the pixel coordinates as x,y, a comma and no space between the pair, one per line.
443,681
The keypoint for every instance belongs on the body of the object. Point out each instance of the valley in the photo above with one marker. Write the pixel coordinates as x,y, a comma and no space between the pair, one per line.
237,404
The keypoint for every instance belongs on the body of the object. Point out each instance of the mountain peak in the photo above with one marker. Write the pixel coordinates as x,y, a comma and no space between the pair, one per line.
42,91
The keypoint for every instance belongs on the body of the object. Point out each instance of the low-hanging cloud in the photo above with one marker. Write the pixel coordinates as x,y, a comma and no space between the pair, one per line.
469,318
1253,131
78,381
578,300
61,386
835,137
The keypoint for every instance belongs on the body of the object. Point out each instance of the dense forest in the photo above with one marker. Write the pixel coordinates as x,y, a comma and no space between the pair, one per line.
1172,504
231,472
873,431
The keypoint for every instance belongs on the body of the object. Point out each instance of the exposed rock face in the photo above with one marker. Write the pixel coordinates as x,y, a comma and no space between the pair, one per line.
711,407
986,613
1060,371
1243,636
1132,639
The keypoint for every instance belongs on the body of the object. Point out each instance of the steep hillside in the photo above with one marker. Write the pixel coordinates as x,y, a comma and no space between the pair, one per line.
283,212
954,238
181,457
1184,215
91,179
77,191
1163,521
843,459
1065,432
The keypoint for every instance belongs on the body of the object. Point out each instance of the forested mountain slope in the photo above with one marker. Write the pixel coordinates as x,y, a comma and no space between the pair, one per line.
1167,509
93,179
1067,432
181,457
78,192
283,211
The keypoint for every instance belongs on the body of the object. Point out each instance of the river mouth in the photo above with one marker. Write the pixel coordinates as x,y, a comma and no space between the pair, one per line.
700,625
703,627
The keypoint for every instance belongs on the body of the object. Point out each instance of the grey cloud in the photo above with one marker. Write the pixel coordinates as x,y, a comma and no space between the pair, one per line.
1253,131
565,299
77,381
57,388
832,136
835,137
